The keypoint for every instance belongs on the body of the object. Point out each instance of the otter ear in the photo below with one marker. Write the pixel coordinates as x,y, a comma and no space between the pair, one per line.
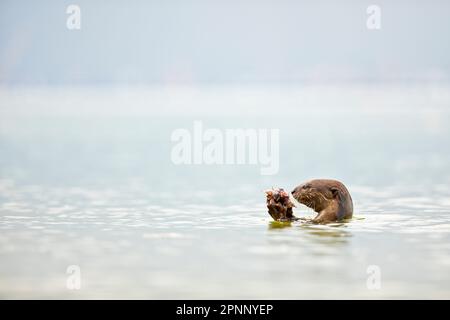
334,191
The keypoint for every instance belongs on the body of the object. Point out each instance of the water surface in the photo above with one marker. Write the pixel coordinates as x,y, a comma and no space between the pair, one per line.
86,179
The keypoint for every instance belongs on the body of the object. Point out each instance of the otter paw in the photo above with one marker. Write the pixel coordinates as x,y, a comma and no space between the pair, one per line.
279,205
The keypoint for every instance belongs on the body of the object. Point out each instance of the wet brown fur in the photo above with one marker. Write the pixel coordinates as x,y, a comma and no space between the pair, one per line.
329,198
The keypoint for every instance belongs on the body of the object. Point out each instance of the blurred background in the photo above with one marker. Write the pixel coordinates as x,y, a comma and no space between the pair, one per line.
86,177
198,42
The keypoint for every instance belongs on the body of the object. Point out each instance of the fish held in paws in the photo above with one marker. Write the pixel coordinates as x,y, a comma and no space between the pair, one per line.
279,205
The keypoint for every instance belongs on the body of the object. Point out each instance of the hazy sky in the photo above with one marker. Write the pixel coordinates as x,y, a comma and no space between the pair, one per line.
231,41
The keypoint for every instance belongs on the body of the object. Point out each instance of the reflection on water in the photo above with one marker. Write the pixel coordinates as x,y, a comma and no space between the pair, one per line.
101,193
333,234
130,247
330,234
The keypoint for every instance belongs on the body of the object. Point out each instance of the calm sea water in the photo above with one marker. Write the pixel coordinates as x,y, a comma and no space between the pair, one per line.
86,179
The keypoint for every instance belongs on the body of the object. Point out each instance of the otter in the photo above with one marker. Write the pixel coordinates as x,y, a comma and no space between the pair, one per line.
329,198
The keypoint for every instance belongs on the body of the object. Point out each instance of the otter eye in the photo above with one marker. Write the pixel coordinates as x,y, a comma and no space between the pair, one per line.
307,186
334,191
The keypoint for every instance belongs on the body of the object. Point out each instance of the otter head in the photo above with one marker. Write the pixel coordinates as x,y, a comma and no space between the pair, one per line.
316,194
